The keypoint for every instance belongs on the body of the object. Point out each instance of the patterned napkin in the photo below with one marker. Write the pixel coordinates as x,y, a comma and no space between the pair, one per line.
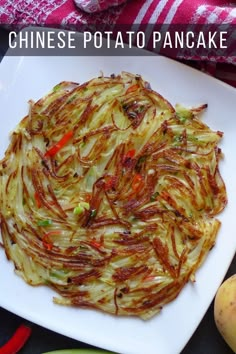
91,6
132,13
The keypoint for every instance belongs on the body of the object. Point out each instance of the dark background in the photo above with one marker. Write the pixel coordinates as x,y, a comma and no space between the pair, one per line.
205,340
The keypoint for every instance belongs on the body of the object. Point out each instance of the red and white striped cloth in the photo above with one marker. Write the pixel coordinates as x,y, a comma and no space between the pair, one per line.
92,6
64,13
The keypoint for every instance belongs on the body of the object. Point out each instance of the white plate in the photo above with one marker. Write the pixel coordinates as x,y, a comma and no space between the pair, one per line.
24,78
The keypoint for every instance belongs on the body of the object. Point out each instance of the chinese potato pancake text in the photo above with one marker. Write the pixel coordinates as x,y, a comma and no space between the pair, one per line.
108,194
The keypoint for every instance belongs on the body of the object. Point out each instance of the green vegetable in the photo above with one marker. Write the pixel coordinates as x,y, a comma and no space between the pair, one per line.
177,138
154,196
46,222
85,205
56,88
78,210
140,161
59,273
81,208
93,213
71,99
183,113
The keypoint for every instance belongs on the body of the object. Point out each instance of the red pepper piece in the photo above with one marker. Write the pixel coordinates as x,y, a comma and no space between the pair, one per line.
130,154
128,158
137,182
132,88
37,199
47,242
59,145
110,182
17,341
95,244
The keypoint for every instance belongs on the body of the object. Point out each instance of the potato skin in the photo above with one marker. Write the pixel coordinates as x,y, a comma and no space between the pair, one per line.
225,311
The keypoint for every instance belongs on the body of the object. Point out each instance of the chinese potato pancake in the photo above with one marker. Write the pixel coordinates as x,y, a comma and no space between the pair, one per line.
108,194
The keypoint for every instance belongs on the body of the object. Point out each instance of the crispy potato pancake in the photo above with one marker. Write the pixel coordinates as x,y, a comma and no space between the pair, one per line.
108,194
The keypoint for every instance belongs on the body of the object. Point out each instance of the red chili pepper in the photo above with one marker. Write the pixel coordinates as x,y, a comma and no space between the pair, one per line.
109,182
132,88
130,154
62,142
128,158
17,341
137,182
95,244
47,242
37,199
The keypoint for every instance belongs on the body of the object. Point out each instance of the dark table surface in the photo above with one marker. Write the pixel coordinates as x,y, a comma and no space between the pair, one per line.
205,340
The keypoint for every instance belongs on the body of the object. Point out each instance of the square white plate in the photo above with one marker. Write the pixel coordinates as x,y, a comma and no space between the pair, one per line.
24,78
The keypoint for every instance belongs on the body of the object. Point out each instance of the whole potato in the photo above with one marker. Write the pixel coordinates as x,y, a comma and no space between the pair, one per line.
225,311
